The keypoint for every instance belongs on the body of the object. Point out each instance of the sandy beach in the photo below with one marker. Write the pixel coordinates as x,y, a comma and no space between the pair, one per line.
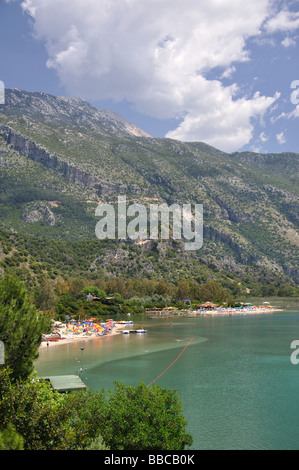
244,311
66,338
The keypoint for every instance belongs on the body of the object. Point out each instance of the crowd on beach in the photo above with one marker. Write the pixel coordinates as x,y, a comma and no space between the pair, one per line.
209,308
238,311
243,309
75,330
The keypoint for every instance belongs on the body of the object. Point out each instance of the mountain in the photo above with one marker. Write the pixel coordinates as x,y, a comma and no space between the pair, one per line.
64,111
60,157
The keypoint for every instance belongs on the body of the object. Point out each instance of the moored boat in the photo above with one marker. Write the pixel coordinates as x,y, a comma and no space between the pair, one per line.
140,330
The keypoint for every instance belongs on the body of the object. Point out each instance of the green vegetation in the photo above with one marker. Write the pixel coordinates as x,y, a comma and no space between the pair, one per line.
57,166
67,297
10,439
64,298
21,327
126,418
155,419
34,417
126,269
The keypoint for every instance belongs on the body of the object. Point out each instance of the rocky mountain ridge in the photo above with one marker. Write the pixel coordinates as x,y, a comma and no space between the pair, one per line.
60,157
66,111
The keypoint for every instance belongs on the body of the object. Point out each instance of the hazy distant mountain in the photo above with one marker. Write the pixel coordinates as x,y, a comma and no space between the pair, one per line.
60,156
66,111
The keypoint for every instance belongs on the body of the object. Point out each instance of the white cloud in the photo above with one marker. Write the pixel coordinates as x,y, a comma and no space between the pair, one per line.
294,113
263,137
281,138
287,42
256,149
291,115
156,55
222,121
285,20
228,73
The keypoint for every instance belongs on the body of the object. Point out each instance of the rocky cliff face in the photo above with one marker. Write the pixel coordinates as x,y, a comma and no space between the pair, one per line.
28,148
250,200
39,212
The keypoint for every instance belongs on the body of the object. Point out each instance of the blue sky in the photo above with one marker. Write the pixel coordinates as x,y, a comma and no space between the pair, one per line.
213,71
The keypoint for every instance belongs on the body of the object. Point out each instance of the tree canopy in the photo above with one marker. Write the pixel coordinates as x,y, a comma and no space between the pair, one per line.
21,327
126,418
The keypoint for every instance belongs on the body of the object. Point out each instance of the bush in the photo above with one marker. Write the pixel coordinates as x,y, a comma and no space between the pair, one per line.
127,418
10,439
94,290
143,418
97,444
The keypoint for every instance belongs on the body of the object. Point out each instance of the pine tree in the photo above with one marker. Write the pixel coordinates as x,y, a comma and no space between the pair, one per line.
21,327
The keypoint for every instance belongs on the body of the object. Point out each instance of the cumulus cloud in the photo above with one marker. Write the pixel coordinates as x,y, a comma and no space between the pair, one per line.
224,122
284,20
281,138
157,56
287,42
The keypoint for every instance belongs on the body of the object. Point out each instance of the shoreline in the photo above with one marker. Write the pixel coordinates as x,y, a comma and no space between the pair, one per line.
216,311
254,311
69,339
72,338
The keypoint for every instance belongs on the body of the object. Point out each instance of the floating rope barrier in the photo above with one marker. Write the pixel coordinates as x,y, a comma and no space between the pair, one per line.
171,363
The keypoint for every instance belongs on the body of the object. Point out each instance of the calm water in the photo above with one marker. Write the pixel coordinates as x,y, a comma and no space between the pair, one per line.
238,385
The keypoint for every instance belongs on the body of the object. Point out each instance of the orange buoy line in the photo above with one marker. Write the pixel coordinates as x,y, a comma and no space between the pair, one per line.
171,363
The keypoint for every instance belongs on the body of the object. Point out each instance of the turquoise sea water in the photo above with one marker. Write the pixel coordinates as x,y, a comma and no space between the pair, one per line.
236,380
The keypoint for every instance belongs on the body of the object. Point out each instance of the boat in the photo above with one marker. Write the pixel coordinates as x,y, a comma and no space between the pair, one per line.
140,330
123,322
51,337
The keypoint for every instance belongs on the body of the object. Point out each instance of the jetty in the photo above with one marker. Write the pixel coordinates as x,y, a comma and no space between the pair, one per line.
165,313
65,383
